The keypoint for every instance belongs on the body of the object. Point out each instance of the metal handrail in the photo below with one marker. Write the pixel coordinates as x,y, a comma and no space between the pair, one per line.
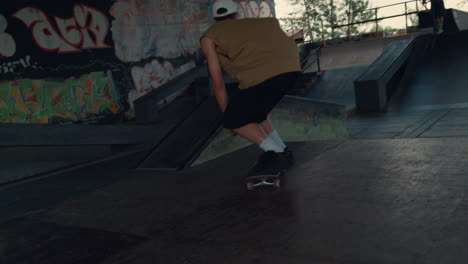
376,19
373,20
395,4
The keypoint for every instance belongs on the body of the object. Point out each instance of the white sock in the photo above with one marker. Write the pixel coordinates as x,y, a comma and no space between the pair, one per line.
270,145
276,137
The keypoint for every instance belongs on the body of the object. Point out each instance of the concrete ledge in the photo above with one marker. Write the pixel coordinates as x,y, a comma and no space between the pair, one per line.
17,163
101,134
49,135
179,147
147,107
455,20
372,87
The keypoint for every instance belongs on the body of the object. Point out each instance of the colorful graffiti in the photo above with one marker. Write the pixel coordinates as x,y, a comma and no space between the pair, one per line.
38,41
50,101
7,42
256,9
88,29
153,75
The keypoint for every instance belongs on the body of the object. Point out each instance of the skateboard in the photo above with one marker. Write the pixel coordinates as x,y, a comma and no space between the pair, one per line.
263,180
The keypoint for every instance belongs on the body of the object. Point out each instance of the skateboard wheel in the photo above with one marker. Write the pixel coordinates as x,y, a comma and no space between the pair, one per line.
277,183
250,186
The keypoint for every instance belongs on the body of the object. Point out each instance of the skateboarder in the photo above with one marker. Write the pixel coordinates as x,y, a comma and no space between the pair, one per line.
265,62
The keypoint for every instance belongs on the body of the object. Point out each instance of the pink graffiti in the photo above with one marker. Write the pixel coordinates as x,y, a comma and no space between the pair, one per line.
153,75
7,42
255,9
88,29
149,77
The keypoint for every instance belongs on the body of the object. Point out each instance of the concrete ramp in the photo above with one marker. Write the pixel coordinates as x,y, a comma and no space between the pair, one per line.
437,74
455,20
353,54
297,119
336,86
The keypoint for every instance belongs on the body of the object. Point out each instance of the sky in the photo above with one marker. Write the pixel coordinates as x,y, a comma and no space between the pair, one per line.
284,7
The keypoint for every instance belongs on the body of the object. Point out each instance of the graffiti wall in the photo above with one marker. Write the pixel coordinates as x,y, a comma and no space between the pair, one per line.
147,29
55,62
43,38
84,60
168,28
58,101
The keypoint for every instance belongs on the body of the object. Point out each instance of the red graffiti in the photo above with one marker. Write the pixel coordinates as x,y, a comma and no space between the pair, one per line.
88,29
32,99
57,100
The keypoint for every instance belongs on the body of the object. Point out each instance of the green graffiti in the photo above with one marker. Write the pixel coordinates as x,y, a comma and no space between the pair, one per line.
50,101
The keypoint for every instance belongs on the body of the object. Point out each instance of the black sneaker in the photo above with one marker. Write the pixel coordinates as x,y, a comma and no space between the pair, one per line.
268,163
288,156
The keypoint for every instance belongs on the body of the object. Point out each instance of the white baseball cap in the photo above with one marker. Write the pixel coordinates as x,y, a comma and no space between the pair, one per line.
224,7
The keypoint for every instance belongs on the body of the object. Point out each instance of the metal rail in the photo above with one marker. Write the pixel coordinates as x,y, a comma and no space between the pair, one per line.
375,20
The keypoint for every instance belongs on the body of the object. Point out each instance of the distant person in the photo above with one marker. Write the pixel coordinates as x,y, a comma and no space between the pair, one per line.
265,62
438,12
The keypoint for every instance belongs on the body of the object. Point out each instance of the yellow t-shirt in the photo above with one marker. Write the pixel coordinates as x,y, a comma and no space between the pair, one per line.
256,49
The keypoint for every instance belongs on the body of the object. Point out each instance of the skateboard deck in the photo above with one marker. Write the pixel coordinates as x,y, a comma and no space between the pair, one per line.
263,180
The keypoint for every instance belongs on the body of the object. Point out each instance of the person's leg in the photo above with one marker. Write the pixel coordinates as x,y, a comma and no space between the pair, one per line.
271,160
267,125
247,117
438,12
254,133
441,23
286,153
271,132
244,115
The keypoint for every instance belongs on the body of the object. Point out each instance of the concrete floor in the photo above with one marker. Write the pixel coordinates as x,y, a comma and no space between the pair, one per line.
395,193
356,201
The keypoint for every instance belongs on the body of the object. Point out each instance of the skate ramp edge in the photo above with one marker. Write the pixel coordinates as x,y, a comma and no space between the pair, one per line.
374,87
460,19
296,119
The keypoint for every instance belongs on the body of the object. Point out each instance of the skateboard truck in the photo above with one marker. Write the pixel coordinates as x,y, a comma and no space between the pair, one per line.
263,180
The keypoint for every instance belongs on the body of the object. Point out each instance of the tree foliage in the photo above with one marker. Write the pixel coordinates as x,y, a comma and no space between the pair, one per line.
413,20
329,13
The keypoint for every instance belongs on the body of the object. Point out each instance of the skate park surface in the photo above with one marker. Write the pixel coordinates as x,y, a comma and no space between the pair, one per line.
394,192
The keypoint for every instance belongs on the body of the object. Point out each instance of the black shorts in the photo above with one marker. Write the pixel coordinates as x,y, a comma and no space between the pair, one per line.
253,105
438,8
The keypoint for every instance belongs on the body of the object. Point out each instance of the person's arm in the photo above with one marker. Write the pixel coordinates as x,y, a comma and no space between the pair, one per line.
209,48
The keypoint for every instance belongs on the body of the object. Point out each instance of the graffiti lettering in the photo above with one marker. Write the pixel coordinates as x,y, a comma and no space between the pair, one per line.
255,9
87,30
7,42
12,66
45,101
153,75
